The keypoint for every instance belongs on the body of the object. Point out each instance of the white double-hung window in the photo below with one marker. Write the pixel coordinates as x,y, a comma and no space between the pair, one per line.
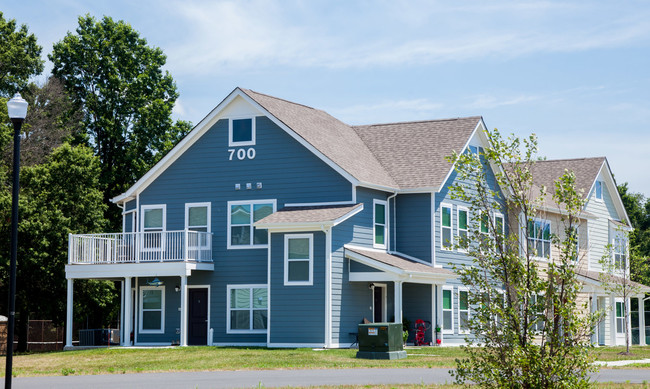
241,217
539,237
247,309
197,218
462,227
152,310
447,240
153,224
299,259
379,224
447,311
620,250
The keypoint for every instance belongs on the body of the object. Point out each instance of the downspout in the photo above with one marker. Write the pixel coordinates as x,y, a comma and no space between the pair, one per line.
390,227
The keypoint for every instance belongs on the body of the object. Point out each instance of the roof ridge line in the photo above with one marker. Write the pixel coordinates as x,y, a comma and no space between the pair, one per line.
285,100
416,121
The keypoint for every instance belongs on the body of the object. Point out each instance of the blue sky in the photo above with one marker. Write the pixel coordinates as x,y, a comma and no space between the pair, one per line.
575,73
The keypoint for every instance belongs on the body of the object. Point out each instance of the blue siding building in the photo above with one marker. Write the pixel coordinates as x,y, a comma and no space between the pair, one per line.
275,224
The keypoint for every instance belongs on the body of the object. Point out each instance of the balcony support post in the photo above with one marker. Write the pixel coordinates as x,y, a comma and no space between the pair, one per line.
184,310
68,315
128,312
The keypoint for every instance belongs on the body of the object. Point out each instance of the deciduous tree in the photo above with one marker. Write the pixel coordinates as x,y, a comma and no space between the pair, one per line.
525,315
20,56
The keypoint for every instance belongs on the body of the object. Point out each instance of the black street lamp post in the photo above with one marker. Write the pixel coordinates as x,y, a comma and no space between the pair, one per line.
17,110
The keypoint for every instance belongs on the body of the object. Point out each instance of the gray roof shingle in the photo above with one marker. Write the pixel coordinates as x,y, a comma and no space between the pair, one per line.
414,153
400,262
305,215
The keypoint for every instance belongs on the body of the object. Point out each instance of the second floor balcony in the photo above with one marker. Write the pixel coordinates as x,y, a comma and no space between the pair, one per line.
140,247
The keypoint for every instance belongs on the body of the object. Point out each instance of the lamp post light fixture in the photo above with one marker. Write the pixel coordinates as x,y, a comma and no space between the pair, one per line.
17,110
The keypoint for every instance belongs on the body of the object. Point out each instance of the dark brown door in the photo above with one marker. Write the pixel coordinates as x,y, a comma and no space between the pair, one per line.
378,297
198,316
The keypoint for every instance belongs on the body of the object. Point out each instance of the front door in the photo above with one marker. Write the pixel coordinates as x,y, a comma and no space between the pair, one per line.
198,316
378,304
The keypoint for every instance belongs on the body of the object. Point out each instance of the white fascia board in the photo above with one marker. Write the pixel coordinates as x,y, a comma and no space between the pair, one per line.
453,165
120,270
372,277
347,215
299,139
613,192
205,124
374,264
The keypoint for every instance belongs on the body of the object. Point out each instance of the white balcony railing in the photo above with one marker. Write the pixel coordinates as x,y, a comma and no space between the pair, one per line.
138,247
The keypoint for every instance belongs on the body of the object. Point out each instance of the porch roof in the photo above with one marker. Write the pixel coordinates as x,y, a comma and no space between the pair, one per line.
593,278
327,215
398,265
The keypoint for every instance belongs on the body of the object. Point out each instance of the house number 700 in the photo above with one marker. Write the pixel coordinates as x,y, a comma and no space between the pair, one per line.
241,153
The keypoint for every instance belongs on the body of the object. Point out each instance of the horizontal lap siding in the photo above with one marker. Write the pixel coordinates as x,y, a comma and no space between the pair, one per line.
351,301
416,305
288,172
297,312
599,236
413,226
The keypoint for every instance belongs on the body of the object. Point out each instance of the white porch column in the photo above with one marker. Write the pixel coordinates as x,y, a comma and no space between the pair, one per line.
593,308
68,315
612,320
398,301
439,320
641,322
128,312
183,310
121,323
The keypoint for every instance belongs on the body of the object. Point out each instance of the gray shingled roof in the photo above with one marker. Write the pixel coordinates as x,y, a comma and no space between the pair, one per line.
400,262
414,153
306,215
585,169
335,139
595,276
397,155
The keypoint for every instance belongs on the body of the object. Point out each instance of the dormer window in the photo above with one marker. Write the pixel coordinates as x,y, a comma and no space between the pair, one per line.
241,132
599,190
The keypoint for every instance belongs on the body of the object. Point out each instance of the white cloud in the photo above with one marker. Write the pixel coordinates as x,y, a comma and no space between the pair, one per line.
254,34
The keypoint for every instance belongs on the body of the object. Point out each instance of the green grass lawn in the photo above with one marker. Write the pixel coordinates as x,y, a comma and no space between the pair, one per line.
131,360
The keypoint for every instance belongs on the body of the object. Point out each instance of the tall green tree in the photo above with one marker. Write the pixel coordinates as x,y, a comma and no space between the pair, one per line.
20,56
58,197
117,80
638,209
526,317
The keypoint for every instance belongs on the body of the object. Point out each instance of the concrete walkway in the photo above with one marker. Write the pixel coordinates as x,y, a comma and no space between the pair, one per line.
275,378
622,363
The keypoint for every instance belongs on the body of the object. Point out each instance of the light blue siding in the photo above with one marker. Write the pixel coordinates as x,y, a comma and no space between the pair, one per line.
297,312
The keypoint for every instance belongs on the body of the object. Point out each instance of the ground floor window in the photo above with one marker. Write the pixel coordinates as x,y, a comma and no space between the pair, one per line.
620,318
463,311
447,312
247,308
152,310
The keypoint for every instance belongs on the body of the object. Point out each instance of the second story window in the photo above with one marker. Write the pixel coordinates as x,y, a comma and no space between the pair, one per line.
599,190
298,259
153,222
620,251
539,237
197,218
463,222
241,132
241,217
379,223
445,225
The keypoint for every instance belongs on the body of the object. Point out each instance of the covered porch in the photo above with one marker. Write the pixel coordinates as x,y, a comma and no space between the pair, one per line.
403,290
149,266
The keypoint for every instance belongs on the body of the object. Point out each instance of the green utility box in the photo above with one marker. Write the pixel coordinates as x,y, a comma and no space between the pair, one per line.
381,341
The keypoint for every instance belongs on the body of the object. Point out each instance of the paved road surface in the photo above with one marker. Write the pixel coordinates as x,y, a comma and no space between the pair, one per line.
274,378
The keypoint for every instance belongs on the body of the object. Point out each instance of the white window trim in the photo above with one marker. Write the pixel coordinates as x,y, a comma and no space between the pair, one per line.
550,229
469,314
162,310
602,193
442,300
251,287
496,215
616,317
164,226
228,232
374,223
197,205
617,234
451,227
310,282
458,209
231,143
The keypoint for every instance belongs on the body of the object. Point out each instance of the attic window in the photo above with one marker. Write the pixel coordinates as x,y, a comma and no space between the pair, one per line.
241,132
599,190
